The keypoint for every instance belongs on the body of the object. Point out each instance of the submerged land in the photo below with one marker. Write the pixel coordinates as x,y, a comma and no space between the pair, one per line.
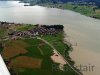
29,49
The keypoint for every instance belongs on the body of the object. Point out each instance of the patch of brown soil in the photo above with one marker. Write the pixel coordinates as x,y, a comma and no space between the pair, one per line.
14,48
26,62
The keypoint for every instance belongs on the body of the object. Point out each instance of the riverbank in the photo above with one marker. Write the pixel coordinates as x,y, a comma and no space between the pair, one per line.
89,9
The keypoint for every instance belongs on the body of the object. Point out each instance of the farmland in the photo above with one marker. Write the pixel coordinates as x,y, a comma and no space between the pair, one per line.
32,55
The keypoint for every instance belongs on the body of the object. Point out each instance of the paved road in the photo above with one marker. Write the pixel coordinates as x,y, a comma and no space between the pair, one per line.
60,55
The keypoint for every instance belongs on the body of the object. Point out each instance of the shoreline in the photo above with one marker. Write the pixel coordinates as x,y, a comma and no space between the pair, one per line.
63,8
82,55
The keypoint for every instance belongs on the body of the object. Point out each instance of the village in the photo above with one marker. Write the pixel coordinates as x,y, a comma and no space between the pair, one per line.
37,30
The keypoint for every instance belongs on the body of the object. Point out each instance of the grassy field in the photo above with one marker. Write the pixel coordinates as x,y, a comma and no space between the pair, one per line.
3,33
33,60
25,55
57,42
25,27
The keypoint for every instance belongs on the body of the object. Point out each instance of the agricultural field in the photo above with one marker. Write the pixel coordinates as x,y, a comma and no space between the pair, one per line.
32,55
29,62
14,48
27,54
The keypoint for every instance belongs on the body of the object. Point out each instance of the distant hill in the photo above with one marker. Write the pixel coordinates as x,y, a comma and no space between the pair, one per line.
97,2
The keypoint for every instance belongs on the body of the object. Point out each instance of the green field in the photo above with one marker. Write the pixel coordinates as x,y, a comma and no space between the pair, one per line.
33,51
57,42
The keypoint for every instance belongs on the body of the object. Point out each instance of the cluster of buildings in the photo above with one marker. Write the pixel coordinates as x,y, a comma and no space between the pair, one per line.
37,31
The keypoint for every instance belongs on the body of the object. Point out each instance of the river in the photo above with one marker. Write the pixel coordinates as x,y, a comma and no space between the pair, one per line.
83,30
